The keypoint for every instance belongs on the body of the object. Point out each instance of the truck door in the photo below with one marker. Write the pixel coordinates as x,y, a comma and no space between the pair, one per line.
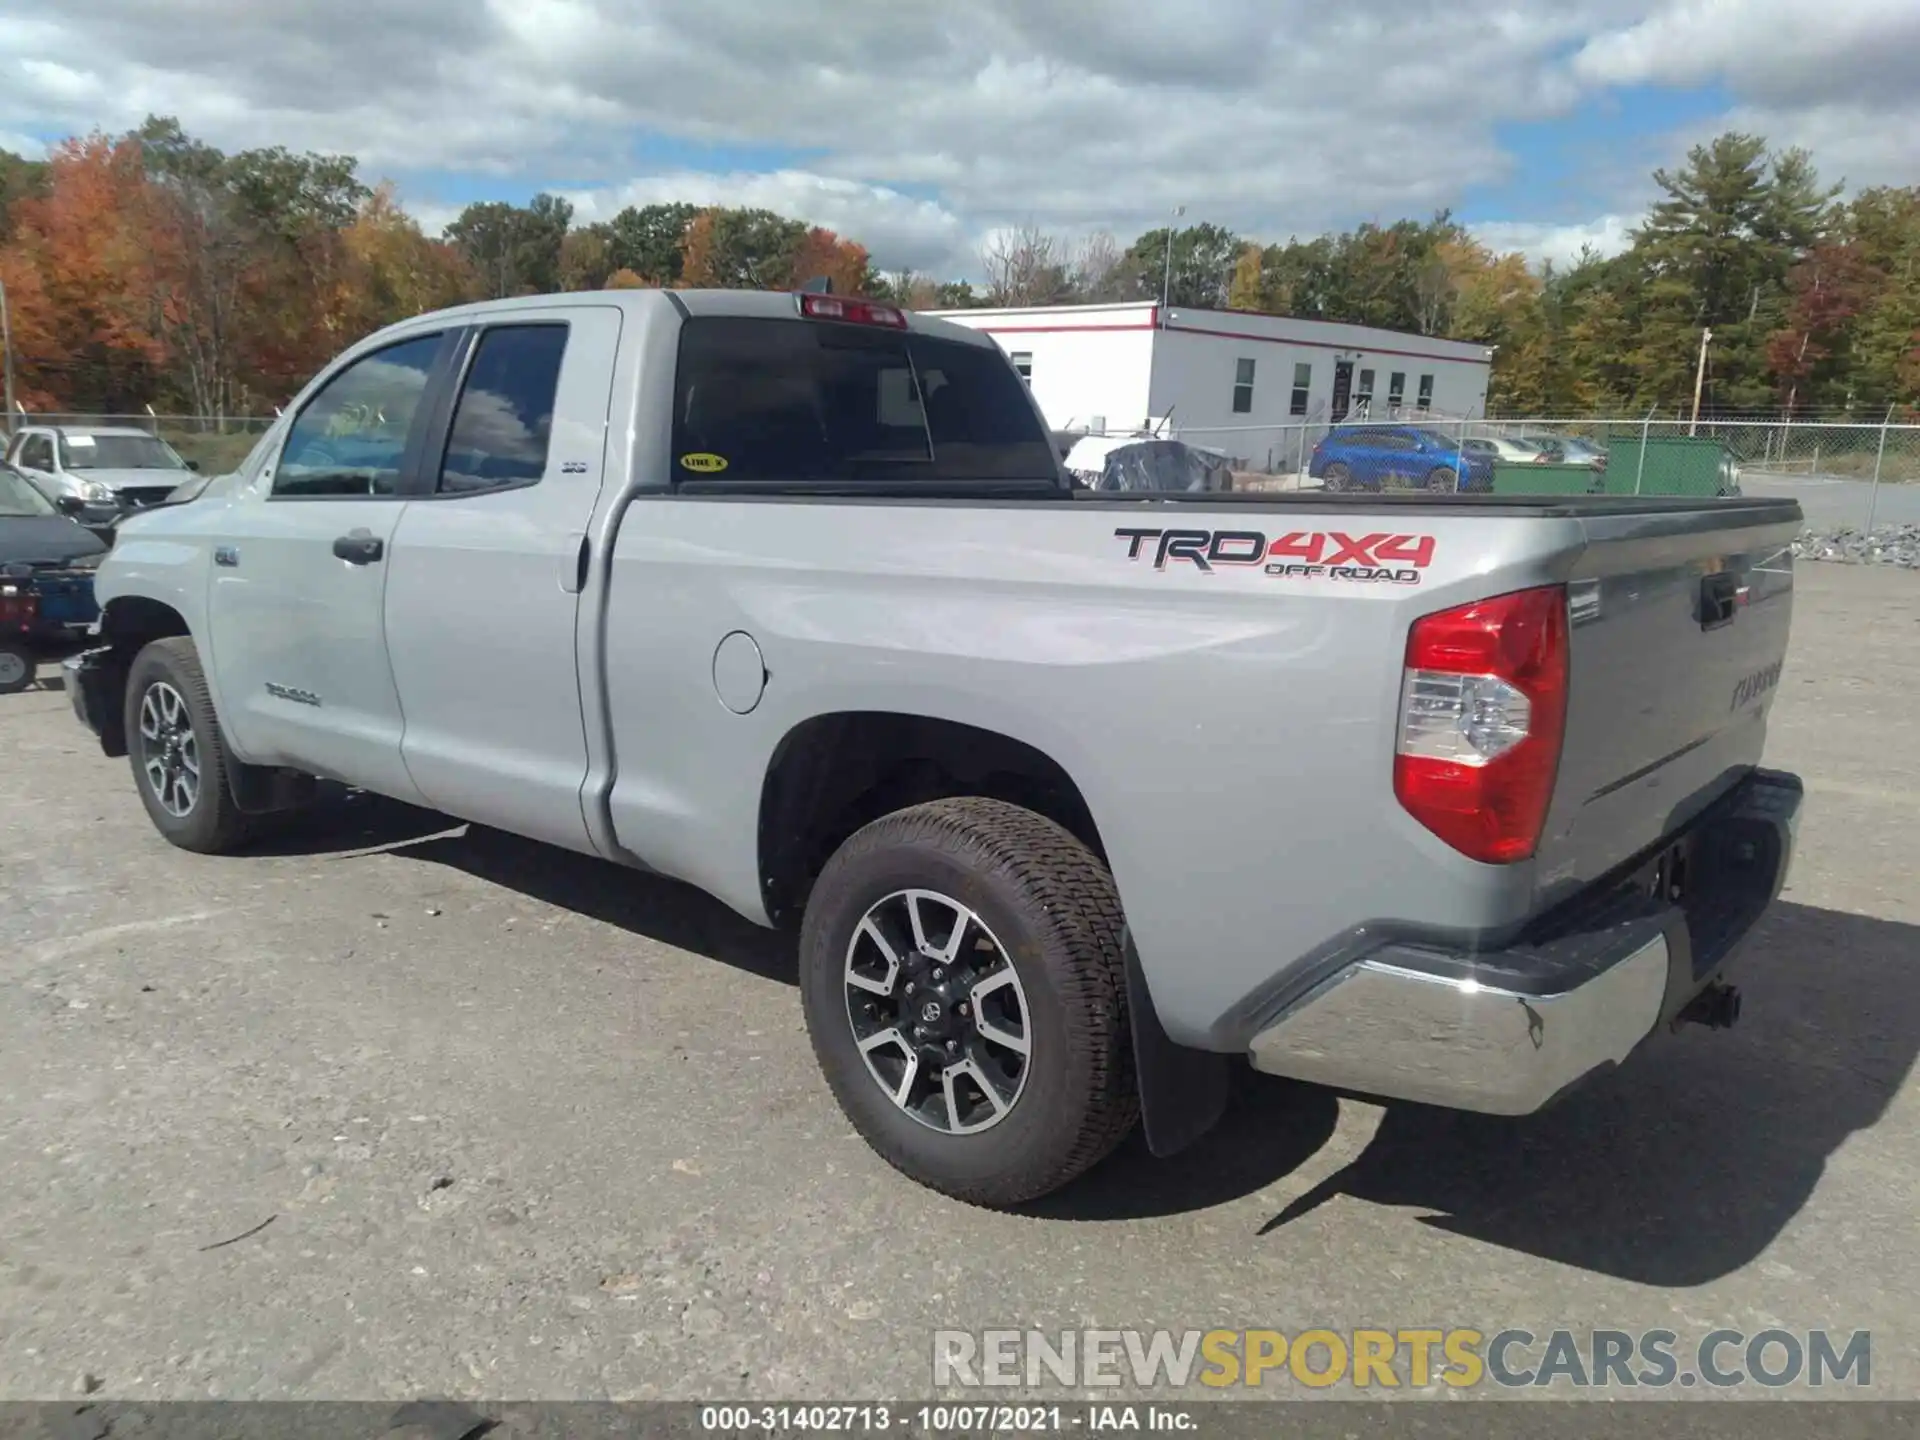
488,561
298,645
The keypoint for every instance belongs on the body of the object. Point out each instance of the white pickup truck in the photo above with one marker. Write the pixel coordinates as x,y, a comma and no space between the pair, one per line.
1074,797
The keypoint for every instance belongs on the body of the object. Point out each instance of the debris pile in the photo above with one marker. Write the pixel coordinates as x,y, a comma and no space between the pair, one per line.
1882,545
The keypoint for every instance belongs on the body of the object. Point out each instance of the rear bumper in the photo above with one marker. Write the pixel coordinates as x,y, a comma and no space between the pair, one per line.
1504,1032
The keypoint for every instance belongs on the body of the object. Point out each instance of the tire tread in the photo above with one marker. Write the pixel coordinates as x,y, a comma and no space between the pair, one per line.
1078,901
229,827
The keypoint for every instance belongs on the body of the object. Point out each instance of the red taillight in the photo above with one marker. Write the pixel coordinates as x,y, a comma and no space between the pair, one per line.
18,606
1483,709
856,312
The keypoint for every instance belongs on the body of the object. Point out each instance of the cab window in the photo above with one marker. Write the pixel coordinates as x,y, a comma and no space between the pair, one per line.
504,421
351,438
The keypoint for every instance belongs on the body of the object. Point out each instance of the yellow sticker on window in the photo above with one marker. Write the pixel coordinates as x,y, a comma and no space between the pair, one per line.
704,463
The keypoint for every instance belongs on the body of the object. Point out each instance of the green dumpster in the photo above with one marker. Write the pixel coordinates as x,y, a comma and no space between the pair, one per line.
1519,477
1675,465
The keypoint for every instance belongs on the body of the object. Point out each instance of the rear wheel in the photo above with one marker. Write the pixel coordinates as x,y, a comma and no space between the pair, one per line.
961,973
17,667
1442,481
1338,477
178,755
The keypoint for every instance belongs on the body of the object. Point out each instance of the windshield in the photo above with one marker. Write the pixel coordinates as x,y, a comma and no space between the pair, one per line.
117,452
18,498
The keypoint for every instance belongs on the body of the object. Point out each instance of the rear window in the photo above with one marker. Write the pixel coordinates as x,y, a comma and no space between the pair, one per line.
789,401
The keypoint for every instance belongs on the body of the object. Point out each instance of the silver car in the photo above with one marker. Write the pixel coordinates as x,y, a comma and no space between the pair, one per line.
110,469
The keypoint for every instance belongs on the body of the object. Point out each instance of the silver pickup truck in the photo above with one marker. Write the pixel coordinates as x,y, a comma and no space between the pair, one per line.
1073,797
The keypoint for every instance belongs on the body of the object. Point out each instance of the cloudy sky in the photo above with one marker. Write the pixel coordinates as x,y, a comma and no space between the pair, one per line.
919,126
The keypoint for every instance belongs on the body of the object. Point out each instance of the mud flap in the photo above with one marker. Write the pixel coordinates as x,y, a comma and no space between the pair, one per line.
1183,1091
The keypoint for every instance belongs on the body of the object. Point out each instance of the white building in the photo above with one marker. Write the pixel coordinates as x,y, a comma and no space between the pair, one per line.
1261,388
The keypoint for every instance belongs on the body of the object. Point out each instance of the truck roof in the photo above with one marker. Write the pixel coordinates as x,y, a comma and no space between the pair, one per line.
771,304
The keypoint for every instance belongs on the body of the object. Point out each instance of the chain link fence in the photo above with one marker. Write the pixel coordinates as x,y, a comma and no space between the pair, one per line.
1845,473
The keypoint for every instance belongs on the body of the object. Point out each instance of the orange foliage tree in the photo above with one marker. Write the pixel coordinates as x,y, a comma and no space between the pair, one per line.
79,272
846,264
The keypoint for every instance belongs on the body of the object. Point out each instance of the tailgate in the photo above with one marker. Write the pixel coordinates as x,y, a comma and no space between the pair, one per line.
1678,629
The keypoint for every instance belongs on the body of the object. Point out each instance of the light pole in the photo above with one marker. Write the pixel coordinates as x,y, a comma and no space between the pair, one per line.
1699,378
1166,274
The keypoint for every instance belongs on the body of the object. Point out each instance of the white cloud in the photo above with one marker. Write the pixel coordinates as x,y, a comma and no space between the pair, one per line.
902,231
1272,116
1561,244
25,146
1836,76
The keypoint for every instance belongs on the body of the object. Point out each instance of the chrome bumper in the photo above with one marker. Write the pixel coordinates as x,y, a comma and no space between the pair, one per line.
1405,1035
1417,1023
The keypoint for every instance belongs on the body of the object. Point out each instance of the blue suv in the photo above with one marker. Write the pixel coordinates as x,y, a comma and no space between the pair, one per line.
1380,457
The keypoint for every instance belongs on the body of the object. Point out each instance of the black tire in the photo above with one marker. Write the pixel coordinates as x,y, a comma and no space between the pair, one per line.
213,824
1337,478
1442,481
17,667
1053,909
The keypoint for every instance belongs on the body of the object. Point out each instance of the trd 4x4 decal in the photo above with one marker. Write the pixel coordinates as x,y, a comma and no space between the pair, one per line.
1379,558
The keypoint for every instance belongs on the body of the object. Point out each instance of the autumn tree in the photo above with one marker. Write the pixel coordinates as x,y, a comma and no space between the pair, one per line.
749,249
394,271
586,258
821,254
79,278
1248,288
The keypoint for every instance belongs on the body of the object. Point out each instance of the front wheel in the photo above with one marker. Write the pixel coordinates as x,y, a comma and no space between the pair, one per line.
17,667
961,973
177,751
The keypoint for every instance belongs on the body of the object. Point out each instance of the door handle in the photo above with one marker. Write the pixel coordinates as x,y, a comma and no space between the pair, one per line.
359,548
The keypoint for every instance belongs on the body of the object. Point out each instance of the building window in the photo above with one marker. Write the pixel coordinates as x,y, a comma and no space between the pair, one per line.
1302,383
1426,392
1397,389
1023,362
1243,386
1363,398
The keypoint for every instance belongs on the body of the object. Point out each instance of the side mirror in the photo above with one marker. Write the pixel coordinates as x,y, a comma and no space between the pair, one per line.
194,465
70,504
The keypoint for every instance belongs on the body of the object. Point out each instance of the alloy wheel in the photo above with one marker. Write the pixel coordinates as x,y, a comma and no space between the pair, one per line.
169,750
938,1011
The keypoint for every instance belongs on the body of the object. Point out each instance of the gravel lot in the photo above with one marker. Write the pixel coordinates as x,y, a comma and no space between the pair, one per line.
521,1124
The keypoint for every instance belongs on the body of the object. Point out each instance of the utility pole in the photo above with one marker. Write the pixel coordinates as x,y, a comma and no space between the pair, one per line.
6,342
1699,378
1166,274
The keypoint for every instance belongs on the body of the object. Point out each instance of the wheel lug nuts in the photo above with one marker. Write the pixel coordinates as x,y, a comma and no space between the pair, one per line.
938,974
952,1046
909,987
963,1011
